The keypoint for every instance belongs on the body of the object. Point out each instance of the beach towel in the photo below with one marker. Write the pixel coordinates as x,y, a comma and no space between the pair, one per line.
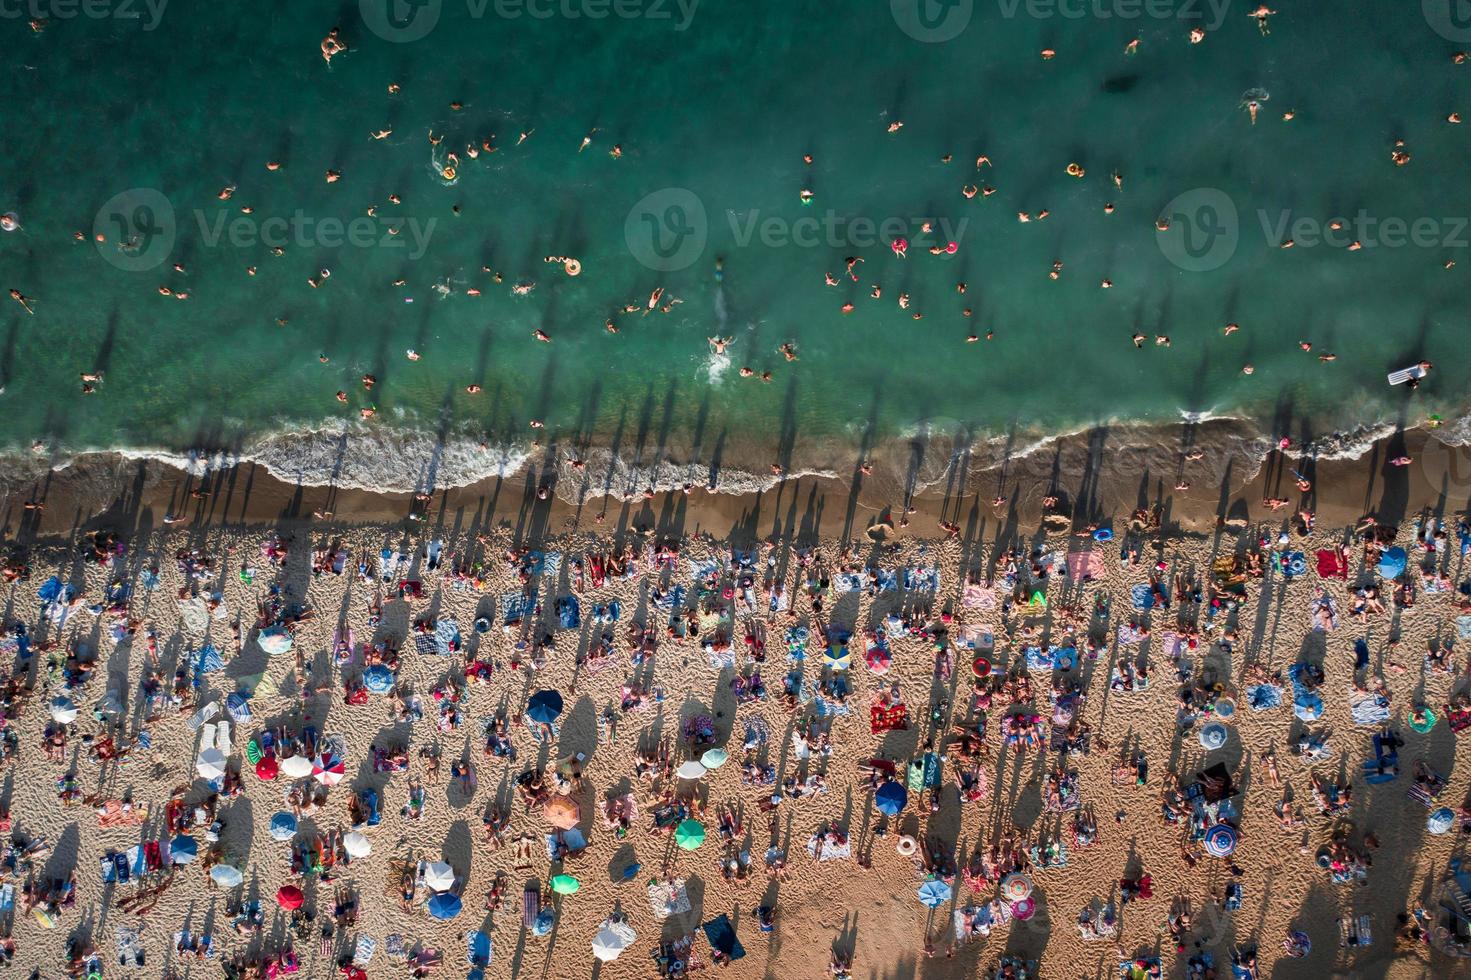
1463,627
668,898
979,596
722,937
1264,697
207,660
1142,596
366,946
1332,564
1329,620
129,947
515,607
1370,711
675,597
1293,564
569,612
447,636
704,568
922,579
830,851
1128,635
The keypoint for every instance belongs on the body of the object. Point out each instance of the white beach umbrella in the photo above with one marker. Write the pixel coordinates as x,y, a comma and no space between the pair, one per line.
210,764
357,845
613,938
63,711
296,766
690,770
226,876
439,876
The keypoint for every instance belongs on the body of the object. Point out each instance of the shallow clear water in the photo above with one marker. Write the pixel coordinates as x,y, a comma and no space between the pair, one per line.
723,109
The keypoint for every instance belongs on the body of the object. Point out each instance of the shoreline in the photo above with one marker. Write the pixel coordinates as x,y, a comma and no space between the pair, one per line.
1100,476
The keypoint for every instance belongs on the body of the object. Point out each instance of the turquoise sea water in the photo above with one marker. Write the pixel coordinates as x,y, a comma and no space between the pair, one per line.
713,109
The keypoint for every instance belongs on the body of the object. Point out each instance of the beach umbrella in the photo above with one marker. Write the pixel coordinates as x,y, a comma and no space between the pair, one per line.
267,767
1220,840
226,876
440,877
296,766
289,897
565,884
63,711
562,812
714,758
690,770
444,906
183,850
1440,820
356,845
1212,736
544,707
690,834
1016,886
890,798
933,894
878,659
274,640
378,679
283,826
329,768
1392,562
1024,909
836,656
210,764
613,938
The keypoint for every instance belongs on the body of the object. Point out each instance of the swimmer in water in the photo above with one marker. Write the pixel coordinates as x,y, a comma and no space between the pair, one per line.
541,335
718,344
654,297
1260,15
852,261
411,354
524,136
1231,328
332,45
369,381
24,300
381,134
788,350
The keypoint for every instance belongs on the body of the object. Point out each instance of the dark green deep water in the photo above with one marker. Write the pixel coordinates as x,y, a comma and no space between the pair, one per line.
131,126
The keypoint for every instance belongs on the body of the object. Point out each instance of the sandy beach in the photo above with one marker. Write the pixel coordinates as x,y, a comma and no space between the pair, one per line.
252,543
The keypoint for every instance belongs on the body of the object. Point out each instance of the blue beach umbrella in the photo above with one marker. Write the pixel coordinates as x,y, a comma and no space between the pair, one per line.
544,707
933,894
1392,562
183,850
890,798
283,826
378,679
444,905
1220,840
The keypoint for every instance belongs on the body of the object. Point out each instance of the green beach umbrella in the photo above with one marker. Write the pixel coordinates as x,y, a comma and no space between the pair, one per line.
565,884
690,834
